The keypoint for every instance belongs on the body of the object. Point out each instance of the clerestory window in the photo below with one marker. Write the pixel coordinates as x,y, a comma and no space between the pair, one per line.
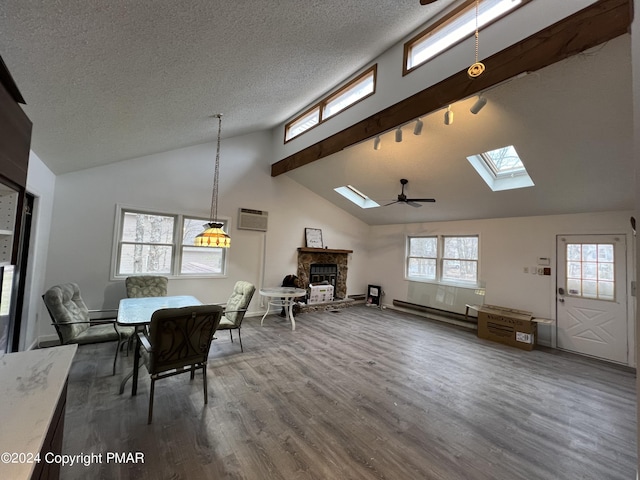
453,28
356,90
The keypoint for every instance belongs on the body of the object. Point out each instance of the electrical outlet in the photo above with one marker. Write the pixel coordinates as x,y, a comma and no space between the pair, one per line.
540,270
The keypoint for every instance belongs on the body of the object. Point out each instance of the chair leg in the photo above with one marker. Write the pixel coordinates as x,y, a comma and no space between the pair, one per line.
116,357
231,335
204,383
240,338
151,392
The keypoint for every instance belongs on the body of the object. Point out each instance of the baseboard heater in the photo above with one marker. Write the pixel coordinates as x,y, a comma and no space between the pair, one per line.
438,314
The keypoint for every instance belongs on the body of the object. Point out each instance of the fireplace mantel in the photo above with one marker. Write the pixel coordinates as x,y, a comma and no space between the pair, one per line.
322,250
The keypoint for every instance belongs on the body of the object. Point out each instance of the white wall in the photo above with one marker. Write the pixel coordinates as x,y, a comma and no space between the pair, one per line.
507,245
41,184
179,181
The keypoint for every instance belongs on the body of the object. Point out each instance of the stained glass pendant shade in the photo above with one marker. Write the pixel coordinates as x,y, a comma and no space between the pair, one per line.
214,236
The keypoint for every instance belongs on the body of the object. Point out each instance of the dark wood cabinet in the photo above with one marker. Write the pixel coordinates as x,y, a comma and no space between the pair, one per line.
15,143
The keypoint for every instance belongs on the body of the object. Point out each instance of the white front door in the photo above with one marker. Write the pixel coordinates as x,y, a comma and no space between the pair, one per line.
592,296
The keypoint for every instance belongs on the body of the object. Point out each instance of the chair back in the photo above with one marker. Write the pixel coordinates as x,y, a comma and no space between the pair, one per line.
146,286
64,304
181,336
239,302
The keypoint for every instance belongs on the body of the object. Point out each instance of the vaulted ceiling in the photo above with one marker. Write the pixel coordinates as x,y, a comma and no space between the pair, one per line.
571,124
110,81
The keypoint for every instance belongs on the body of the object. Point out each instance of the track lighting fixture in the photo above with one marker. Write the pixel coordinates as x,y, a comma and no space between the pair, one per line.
448,116
399,134
480,103
376,143
417,130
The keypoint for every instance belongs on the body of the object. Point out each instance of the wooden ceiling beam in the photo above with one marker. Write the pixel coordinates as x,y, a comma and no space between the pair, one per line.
596,24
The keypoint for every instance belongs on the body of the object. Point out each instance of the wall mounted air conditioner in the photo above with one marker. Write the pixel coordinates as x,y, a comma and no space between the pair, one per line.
252,220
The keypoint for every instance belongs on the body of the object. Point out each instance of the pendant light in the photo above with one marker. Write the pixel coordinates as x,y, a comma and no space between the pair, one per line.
214,235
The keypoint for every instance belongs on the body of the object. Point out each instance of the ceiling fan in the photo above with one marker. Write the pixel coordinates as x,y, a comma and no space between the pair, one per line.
426,2
402,198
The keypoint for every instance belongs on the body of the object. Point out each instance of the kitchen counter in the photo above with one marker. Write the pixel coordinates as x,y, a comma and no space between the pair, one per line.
33,391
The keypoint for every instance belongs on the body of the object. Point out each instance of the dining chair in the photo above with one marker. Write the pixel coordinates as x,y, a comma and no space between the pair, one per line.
236,307
74,323
178,342
146,286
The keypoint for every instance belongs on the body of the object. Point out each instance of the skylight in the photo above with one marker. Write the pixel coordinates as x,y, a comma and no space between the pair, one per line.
501,169
454,28
356,196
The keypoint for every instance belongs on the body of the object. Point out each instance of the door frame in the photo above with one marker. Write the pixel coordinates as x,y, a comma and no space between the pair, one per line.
629,278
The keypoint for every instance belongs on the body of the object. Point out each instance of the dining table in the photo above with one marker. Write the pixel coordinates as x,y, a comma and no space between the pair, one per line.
137,312
284,297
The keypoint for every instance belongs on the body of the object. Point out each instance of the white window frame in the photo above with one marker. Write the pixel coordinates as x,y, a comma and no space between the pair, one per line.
439,278
409,257
498,181
176,244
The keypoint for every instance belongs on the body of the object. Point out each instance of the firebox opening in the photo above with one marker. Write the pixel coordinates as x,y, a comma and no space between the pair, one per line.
323,272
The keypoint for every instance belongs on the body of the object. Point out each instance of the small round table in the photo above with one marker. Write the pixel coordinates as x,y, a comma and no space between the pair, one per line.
282,297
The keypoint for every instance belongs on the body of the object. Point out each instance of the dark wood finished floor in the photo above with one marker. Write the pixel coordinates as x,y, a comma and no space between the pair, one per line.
359,394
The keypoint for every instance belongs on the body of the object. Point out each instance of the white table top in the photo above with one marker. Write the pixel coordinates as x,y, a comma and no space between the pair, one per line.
283,292
138,311
30,386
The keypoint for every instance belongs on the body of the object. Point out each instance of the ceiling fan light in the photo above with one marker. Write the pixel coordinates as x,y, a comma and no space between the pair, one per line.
399,135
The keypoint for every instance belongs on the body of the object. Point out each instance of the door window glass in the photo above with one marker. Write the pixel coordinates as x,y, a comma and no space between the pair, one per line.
590,270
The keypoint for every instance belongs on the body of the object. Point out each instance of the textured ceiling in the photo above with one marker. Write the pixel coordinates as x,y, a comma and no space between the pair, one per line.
108,81
111,80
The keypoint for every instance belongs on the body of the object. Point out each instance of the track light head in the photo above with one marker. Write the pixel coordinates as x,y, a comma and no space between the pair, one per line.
376,143
417,130
399,135
448,116
479,105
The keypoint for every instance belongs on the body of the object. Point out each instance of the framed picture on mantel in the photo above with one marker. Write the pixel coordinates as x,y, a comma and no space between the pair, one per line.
313,237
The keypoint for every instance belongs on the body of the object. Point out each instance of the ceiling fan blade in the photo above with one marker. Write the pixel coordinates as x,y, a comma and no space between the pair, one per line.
387,204
421,199
426,2
413,204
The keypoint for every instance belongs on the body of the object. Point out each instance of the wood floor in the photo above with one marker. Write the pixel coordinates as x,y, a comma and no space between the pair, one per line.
359,393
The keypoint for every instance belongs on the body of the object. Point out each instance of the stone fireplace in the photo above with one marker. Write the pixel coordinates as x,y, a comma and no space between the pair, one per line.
329,265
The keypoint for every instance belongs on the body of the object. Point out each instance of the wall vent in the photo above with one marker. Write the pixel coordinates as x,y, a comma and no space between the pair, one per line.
252,220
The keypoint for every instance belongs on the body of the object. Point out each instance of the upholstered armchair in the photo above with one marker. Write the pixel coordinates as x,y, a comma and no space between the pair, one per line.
178,342
146,286
236,307
74,323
